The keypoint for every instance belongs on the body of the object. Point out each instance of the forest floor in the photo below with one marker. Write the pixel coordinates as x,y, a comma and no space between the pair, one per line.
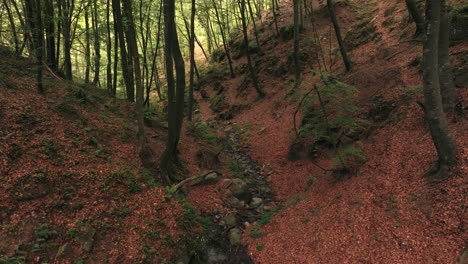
387,212
73,189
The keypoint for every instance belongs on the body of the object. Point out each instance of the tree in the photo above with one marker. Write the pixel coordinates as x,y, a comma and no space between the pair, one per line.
192,59
50,33
417,17
435,116
297,67
67,8
97,46
223,36
124,58
253,75
175,92
34,19
133,50
336,26
447,86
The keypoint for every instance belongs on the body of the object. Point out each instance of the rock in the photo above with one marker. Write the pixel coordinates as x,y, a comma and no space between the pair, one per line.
211,178
235,236
229,220
86,237
240,190
256,201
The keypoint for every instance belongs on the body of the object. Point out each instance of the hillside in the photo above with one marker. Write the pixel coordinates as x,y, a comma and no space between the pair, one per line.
257,186
385,212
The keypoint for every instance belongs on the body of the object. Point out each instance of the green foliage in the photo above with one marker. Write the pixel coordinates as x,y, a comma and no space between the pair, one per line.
255,232
296,199
44,234
260,247
236,169
124,177
329,115
265,218
202,131
218,103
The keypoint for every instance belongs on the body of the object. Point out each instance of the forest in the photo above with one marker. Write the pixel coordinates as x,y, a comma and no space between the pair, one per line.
233,131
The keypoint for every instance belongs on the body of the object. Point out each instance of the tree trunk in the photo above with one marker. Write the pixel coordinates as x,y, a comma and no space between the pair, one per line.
344,55
34,18
254,25
175,92
124,58
109,50
13,27
273,9
297,66
192,60
67,6
87,40
447,86
50,34
253,75
225,44
435,117
417,17
97,45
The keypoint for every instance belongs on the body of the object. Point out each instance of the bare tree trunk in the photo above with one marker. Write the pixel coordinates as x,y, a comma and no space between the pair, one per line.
12,25
435,116
344,54
145,151
253,75
124,58
50,33
67,6
254,25
297,67
87,40
225,44
175,92
447,86
273,9
417,17
97,45
192,60
109,50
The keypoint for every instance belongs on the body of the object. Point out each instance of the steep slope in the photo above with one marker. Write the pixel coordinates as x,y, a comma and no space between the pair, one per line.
386,213
73,188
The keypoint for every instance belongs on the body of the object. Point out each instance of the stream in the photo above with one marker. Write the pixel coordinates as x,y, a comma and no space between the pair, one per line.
223,240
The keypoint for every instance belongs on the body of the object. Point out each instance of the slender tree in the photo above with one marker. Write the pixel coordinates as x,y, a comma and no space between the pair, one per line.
192,59
12,25
109,50
447,86
97,45
87,43
67,7
435,116
416,15
124,58
297,66
223,36
175,92
253,75
344,54
49,22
